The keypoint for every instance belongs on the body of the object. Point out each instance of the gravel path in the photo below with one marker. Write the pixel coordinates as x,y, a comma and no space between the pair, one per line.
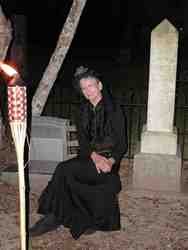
151,221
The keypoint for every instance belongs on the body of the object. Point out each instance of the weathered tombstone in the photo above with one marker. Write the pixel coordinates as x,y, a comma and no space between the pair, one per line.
158,165
48,144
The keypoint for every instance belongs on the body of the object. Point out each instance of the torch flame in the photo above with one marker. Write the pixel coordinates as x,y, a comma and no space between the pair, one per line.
8,69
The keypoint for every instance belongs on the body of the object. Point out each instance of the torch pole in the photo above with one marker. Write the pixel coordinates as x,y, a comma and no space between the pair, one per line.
17,116
18,130
17,113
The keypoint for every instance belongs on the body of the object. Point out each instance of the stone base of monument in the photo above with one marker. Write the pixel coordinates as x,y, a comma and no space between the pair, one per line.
157,172
156,142
40,172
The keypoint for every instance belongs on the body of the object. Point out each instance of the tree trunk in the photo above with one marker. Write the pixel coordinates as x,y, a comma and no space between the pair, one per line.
5,39
63,44
18,50
5,35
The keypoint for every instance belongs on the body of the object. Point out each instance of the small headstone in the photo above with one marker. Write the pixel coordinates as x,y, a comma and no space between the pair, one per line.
48,138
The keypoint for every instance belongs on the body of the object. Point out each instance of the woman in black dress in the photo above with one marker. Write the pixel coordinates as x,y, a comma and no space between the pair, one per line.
82,194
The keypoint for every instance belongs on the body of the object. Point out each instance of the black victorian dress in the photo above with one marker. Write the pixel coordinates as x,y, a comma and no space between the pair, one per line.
79,196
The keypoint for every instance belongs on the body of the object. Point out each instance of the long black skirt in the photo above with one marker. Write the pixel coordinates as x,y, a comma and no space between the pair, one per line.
81,198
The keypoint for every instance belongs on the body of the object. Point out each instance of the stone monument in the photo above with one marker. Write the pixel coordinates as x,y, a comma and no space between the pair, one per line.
48,145
157,166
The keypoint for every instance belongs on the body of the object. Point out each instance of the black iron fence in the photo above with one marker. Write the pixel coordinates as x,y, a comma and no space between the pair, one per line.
62,103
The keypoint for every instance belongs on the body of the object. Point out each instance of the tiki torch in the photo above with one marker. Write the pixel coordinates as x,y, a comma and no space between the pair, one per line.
17,113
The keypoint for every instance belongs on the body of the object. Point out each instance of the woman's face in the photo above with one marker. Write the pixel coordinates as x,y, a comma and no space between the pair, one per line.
91,89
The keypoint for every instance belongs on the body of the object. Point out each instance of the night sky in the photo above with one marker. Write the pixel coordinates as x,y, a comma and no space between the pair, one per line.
105,27
45,20
104,24
106,30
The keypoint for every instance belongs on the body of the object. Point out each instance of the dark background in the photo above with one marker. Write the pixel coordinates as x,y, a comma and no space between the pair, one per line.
112,34
102,24
45,20
113,24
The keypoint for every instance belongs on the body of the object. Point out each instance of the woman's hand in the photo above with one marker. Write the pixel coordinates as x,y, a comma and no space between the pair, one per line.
102,163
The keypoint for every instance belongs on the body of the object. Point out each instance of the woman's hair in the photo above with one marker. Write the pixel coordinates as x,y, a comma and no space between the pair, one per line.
83,73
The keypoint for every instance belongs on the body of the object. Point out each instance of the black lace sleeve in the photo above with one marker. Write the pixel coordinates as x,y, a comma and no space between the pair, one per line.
83,137
119,126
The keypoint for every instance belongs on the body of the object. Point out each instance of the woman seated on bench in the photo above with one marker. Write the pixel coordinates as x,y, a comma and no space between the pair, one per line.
82,194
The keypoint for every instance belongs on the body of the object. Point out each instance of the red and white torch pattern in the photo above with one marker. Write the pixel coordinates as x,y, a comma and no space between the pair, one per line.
17,104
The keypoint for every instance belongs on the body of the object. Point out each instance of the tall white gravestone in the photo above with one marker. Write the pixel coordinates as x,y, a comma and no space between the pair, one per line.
158,166
159,135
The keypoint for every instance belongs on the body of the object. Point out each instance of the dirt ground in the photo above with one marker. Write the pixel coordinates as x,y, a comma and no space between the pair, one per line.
150,221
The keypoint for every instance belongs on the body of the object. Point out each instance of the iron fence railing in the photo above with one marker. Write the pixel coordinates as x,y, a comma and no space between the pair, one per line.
60,104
